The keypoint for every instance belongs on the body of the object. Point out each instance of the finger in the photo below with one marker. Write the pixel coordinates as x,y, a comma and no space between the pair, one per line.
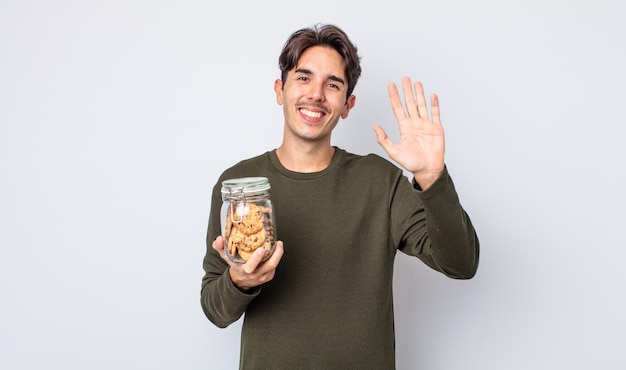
276,256
434,104
254,261
268,268
409,97
383,140
218,245
422,108
381,135
396,103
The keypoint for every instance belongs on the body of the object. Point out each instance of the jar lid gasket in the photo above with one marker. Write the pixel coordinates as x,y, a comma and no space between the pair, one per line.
245,185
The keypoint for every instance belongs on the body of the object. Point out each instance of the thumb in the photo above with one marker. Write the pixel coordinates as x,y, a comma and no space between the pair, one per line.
383,139
255,258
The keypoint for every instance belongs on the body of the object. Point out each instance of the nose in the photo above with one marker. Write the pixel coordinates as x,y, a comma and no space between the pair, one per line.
316,92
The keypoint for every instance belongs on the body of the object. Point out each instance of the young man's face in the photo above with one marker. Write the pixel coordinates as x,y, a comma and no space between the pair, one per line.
313,95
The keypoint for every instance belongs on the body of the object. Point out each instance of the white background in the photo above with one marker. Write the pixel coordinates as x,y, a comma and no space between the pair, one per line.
117,117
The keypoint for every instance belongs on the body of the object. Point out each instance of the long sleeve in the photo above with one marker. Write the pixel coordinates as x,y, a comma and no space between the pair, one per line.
449,244
342,228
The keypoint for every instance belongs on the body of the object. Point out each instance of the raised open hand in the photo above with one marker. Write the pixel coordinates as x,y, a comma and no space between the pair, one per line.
421,147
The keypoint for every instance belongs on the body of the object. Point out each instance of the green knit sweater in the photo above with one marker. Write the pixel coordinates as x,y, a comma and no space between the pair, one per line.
330,304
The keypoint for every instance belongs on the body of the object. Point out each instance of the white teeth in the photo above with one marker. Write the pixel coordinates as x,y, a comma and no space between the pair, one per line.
308,113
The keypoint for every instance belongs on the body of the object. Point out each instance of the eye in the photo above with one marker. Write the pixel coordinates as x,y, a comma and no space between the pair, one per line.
333,86
302,78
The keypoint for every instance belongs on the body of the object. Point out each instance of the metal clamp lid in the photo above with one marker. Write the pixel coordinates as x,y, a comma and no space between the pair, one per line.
240,187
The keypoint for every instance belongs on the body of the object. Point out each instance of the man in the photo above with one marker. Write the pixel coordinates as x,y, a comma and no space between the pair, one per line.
324,299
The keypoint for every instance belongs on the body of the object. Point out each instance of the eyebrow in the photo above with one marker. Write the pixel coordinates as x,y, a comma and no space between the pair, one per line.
331,77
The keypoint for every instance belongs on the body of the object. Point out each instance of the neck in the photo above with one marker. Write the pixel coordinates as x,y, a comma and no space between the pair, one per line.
305,159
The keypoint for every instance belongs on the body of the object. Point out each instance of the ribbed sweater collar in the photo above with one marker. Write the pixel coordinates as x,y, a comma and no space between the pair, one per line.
337,157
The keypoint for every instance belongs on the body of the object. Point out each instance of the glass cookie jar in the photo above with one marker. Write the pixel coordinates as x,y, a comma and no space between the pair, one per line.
247,218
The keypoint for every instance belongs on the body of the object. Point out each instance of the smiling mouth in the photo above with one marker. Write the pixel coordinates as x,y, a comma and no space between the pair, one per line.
311,114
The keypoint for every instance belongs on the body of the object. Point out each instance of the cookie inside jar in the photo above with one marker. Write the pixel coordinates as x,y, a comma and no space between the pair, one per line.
247,218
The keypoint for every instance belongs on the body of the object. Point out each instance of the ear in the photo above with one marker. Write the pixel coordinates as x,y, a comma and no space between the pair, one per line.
349,105
278,89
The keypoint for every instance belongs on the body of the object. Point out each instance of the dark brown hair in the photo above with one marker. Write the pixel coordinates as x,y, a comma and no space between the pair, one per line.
321,35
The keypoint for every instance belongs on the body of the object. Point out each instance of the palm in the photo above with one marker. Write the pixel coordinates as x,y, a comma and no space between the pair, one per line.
420,149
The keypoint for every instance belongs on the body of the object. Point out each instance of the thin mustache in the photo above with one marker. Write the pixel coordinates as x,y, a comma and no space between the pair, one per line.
318,106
